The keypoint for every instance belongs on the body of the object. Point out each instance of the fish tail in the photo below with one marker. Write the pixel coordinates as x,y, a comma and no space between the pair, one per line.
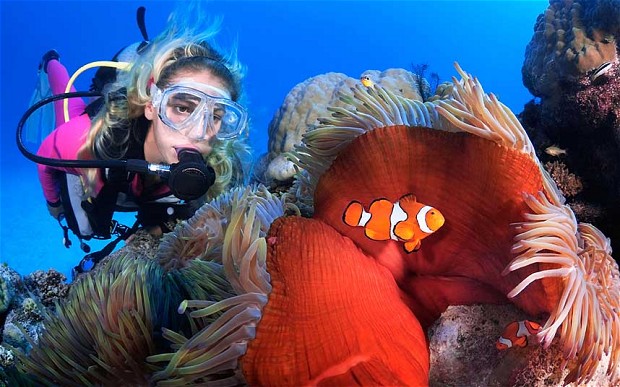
532,327
353,213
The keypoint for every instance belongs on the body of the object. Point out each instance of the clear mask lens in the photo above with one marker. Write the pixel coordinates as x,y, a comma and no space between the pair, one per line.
199,115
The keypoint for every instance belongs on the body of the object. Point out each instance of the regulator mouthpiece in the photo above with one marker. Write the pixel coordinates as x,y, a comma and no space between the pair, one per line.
191,177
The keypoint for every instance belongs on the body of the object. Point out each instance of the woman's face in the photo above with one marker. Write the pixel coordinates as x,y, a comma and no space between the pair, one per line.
162,141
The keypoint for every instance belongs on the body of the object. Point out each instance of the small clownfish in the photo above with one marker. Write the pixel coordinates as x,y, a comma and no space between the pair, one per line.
405,221
366,81
555,151
516,334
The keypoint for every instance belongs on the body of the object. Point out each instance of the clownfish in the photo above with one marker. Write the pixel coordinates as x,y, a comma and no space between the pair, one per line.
366,81
516,334
406,220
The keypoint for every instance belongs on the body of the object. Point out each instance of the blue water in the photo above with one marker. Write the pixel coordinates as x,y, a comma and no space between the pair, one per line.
282,43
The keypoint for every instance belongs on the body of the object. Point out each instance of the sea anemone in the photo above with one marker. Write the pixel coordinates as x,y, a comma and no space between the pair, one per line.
202,236
103,331
497,199
334,316
226,309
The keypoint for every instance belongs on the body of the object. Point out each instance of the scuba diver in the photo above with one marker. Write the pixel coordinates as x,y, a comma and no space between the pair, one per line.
165,135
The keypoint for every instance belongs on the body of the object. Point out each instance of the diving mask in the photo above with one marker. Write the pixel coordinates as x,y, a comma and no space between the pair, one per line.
199,111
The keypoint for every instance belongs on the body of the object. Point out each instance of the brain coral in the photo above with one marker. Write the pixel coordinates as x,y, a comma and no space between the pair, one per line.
571,38
308,101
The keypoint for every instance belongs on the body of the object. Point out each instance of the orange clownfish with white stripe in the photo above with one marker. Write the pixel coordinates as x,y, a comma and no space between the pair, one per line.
516,334
406,220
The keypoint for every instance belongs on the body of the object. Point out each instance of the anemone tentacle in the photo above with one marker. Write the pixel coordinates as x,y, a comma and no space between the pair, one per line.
587,315
202,236
222,323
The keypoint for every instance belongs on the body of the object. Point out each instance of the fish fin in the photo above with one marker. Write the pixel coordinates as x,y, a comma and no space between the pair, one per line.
380,207
503,343
412,246
374,235
520,342
532,326
404,231
353,213
408,198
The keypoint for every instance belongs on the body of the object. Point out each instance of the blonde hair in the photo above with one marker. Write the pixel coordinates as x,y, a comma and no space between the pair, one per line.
176,50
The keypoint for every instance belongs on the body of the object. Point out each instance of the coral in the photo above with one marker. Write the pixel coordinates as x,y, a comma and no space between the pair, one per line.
408,84
49,285
107,330
567,182
31,309
583,117
6,357
308,101
243,297
463,352
6,294
571,38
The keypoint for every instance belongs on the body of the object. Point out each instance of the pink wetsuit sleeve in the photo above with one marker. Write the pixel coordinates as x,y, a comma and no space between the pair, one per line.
58,77
63,143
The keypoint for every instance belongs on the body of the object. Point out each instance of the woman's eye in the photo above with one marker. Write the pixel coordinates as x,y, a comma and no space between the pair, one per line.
181,109
218,114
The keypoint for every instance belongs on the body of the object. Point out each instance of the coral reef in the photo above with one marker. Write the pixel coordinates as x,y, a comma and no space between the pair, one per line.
241,293
567,182
572,64
6,295
463,352
571,38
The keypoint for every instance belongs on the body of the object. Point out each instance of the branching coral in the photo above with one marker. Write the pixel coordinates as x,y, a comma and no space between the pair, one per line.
567,182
